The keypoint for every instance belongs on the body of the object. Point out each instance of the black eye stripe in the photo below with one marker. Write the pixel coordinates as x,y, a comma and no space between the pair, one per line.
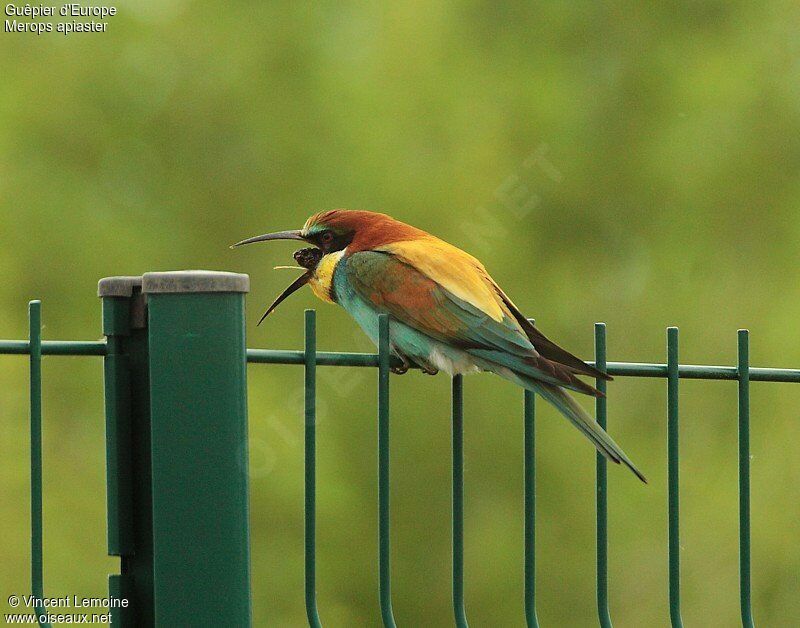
331,241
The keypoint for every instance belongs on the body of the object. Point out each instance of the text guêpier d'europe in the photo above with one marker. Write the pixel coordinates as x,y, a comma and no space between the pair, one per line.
33,18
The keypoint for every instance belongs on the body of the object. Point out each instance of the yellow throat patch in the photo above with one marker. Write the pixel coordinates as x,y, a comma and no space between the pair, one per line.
322,279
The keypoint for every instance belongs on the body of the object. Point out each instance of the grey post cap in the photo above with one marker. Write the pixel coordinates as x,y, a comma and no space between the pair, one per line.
194,281
118,286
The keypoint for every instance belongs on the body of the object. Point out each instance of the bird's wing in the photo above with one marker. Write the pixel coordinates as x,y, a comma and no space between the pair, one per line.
454,270
464,276
453,304
547,347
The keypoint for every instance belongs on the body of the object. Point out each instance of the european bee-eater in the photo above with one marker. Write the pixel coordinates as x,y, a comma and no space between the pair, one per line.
446,312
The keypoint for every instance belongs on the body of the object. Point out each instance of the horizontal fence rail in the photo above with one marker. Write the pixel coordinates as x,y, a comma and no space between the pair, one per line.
54,347
335,358
383,361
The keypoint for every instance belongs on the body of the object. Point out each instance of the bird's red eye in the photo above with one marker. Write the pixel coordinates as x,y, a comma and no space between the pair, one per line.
326,237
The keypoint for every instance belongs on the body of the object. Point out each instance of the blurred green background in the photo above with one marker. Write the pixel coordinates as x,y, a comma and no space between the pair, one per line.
636,163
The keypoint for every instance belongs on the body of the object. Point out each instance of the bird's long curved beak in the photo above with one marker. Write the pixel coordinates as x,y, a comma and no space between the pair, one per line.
298,283
293,234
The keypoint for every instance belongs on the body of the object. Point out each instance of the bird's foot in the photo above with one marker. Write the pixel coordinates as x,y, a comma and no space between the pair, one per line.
429,370
402,369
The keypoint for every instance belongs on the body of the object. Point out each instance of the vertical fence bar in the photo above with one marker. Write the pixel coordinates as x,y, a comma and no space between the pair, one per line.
311,467
529,418
744,477
384,543
37,559
458,501
601,409
529,410
198,408
673,479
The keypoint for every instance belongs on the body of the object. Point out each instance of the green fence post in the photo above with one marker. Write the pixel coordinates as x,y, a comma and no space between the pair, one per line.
198,409
176,448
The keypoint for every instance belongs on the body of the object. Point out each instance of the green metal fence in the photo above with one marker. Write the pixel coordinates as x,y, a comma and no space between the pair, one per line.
176,434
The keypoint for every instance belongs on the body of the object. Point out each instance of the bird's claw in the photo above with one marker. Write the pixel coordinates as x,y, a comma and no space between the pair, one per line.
429,370
399,370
